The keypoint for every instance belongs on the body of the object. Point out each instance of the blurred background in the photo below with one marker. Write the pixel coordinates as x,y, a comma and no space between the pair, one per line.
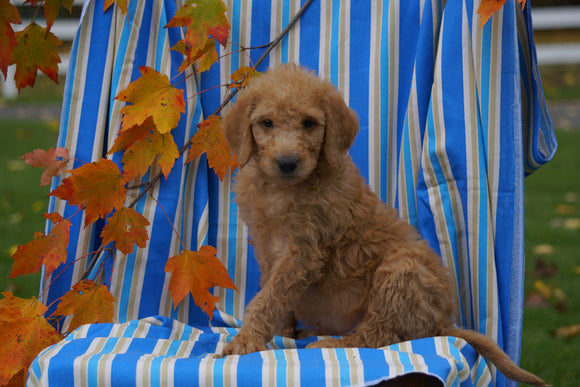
551,332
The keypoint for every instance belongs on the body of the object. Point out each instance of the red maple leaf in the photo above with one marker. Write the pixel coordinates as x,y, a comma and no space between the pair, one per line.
126,227
210,139
88,303
49,250
195,272
99,187
152,96
142,145
24,332
8,15
53,161
36,49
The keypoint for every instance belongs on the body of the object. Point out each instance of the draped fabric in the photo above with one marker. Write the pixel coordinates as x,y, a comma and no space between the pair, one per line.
452,117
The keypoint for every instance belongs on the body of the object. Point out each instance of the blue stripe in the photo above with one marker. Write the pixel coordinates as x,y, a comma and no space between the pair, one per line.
310,36
384,93
359,91
334,41
285,21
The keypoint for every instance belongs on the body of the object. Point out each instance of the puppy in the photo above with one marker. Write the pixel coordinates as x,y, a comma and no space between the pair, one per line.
330,252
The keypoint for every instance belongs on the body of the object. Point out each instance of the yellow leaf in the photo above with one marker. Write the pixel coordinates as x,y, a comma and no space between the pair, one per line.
544,289
568,331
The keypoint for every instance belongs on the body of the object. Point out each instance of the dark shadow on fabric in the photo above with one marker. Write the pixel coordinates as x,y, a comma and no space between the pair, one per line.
413,379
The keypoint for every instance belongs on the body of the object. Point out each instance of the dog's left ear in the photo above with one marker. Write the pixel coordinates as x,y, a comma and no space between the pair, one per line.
237,127
341,127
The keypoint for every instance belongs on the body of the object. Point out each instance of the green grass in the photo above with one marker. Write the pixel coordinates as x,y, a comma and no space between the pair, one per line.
22,200
561,82
552,216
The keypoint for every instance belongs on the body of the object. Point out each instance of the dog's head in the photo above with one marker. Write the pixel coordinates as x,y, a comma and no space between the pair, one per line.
288,120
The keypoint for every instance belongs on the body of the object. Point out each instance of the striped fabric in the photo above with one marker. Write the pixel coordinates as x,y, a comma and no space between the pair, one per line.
452,118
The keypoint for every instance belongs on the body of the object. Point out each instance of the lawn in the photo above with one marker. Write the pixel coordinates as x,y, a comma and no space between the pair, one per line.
552,235
22,200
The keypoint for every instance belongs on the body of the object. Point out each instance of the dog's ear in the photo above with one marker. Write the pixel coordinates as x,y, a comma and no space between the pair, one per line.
341,127
238,128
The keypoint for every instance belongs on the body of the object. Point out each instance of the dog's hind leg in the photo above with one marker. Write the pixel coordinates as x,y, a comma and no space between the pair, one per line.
406,302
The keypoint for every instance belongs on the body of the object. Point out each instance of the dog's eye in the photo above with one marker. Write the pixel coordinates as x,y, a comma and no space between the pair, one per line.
267,123
307,123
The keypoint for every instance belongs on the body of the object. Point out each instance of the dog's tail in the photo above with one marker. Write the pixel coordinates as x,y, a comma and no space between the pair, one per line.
493,353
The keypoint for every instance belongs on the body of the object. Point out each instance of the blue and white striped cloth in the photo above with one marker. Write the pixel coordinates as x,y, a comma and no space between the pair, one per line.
452,118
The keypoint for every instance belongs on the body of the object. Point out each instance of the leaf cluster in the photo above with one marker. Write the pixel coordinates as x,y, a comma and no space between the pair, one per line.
154,107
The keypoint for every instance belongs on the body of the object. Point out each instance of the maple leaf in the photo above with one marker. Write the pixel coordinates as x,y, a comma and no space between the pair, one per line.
201,19
48,160
488,7
210,139
48,250
241,76
52,8
126,227
142,145
207,55
88,303
195,272
36,49
152,96
98,186
122,4
8,14
24,332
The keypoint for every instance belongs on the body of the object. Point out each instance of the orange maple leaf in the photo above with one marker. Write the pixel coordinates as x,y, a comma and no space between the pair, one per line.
126,227
210,139
24,332
152,96
48,250
49,161
142,145
122,4
88,303
36,49
195,272
201,19
488,7
98,186
241,76
52,8
8,15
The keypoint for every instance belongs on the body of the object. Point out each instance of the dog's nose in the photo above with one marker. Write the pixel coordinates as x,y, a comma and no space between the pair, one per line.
287,164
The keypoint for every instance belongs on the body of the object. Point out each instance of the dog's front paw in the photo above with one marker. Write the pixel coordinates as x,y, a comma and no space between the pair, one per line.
243,344
326,343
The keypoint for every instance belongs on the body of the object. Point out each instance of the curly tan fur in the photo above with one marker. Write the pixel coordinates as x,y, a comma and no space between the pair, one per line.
331,253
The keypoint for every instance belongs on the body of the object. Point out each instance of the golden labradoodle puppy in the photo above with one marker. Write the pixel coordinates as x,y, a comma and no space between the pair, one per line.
330,252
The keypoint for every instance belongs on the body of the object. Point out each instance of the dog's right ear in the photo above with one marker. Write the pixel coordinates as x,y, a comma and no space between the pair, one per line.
238,128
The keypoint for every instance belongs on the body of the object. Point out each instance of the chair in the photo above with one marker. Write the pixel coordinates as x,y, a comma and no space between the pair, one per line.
452,118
